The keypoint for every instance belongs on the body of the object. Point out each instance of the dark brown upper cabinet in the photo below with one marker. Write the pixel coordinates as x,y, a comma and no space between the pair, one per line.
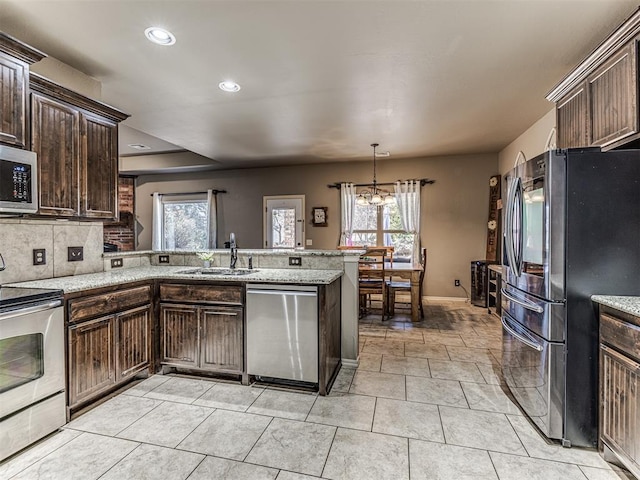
76,140
597,102
15,58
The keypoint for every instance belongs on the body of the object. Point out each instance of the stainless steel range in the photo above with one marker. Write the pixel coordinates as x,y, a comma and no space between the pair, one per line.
32,398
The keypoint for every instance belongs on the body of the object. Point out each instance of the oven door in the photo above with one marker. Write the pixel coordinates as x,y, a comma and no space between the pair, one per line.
534,371
31,355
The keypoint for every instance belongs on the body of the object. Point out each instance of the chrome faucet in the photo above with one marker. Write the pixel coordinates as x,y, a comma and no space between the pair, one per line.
234,250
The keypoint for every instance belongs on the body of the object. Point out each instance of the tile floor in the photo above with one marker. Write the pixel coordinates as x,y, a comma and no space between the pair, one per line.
425,403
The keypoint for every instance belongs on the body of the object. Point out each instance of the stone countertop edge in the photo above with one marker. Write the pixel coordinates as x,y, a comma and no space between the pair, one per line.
628,304
288,253
89,281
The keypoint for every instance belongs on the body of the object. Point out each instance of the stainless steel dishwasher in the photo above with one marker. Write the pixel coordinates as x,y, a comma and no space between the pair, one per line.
282,332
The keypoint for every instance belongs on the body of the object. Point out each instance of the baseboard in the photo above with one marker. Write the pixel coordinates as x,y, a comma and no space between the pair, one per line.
446,299
350,363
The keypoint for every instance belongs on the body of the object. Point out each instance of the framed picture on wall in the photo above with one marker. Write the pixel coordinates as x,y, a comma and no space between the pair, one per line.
319,216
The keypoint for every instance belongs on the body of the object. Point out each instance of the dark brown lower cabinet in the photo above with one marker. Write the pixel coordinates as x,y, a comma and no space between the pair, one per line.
620,388
203,337
107,351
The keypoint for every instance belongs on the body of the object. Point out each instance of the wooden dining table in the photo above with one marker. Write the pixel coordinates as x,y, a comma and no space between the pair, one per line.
406,271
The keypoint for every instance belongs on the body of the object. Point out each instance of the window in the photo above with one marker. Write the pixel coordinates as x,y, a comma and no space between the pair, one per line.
184,224
382,226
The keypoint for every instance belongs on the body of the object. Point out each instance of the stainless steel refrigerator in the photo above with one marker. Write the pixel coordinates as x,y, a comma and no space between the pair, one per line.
571,229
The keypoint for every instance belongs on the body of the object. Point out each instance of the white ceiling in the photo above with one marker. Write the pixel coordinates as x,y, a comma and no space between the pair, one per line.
321,80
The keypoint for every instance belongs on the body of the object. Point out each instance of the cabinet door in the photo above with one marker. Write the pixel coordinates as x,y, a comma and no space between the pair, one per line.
221,333
91,359
13,81
571,118
55,138
133,343
98,168
180,335
613,98
620,403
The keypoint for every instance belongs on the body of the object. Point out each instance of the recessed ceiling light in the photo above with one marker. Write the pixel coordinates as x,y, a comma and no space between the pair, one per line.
139,146
160,36
229,86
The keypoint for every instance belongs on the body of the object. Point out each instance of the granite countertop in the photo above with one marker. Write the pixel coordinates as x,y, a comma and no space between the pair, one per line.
276,252
77,283
629,304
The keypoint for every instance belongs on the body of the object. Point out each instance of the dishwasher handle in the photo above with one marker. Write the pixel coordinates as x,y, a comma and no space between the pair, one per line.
297,293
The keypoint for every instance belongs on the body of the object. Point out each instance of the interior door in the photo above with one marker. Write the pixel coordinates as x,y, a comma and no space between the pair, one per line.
284,222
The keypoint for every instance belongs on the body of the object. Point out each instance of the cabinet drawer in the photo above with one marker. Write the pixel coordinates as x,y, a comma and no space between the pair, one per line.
620,334
228,294
106,303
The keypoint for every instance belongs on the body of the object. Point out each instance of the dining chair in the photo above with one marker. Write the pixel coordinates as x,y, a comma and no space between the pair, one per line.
371,279
394,286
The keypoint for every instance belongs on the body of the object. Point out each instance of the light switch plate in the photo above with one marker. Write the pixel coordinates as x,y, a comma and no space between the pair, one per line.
75,254
309,242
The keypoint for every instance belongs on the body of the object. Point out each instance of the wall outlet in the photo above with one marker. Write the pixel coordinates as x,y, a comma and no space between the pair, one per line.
309,242
75,254
163,258
116,262
295,261
39,256
456,283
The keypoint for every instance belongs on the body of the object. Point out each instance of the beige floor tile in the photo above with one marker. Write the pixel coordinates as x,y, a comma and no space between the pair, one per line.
167,425
405,365
226,434
86,457
414,336
492,374
461,371
221,468
484,430
490,398
443,339
607,473
343,381
115,415
466,354
283,404
299,447
370,361
438,352
283,475
433,461
436,391
151,461
139,389
384,347
229,396
344,410
408,419
367,456
179,389
516,467
387,385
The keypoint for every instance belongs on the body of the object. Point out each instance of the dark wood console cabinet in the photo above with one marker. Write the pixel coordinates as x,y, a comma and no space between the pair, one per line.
15,58
76,140
108,340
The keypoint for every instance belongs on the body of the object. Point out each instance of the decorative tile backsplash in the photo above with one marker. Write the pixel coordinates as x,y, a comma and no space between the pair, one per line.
18,239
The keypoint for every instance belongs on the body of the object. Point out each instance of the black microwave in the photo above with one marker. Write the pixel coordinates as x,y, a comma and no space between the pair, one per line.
18,181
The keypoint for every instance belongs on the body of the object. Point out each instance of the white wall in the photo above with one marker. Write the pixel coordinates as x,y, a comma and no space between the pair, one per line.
531,142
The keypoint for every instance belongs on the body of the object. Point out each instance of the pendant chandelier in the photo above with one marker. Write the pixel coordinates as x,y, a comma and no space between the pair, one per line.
374,196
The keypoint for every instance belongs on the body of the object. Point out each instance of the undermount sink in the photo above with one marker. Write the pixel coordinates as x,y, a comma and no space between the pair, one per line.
219,271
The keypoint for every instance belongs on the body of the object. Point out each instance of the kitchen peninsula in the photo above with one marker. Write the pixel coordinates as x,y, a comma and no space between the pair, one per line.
148,315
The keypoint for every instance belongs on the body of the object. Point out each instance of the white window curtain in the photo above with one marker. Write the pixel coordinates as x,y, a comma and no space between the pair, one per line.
156,232
212,219
408,199
348,204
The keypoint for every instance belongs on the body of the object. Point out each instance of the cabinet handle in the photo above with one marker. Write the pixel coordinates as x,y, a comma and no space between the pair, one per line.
8,136
231,314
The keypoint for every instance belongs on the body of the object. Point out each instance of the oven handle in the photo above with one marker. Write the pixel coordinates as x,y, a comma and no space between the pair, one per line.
528,342
528,305
29,310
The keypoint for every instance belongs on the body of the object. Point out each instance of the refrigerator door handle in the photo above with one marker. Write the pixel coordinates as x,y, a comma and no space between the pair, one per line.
511,193
518,203
527,341
523,303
